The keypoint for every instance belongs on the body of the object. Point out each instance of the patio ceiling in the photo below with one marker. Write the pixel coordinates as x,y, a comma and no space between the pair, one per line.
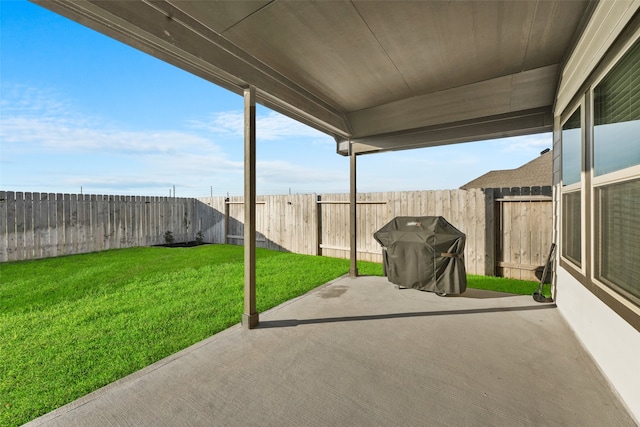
382,75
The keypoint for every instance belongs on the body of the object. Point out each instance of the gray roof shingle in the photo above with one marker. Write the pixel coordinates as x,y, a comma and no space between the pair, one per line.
538,172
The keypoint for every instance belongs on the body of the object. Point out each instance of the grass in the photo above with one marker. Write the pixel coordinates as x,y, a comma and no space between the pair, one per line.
71,325
502,284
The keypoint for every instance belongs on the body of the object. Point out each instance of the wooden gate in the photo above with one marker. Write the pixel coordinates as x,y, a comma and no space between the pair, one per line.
524,232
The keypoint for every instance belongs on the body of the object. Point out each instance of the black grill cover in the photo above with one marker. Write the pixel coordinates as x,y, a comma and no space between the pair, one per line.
424,252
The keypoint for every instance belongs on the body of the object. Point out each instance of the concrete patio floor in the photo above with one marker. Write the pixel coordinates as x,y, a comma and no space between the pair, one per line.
359,352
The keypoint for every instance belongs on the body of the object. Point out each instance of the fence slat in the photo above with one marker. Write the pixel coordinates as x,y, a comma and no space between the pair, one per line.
83,225
28,226
3,226
8,213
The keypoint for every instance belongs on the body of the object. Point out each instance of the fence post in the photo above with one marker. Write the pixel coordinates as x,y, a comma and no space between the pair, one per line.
226,221
490,237
319,225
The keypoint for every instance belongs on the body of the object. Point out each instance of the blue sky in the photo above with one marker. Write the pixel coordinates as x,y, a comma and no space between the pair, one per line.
81,111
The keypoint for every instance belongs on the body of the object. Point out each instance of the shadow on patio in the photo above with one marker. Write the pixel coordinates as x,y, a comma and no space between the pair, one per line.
296,322
359,352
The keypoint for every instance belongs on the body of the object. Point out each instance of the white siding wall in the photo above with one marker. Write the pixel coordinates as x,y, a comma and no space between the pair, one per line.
612,342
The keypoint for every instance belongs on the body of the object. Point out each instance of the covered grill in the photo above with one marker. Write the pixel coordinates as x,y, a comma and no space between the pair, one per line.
424,252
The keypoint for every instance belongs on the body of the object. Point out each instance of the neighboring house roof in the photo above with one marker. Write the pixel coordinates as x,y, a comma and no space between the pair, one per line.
538,172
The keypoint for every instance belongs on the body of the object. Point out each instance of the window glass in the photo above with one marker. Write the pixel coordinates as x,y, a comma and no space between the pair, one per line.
572,227
618,249
616,102
571,149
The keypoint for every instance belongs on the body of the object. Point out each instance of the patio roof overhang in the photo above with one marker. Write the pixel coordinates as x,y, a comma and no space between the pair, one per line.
377,76
380,76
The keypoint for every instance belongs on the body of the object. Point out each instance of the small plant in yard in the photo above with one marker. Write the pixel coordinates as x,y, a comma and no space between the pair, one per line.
168,237
199,237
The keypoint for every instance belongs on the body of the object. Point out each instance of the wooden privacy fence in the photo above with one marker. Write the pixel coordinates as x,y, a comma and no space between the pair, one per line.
523,231
508,231
284,223
319,224
41,225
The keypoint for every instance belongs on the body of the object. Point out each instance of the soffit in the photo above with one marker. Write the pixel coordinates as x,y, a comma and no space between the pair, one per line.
361,70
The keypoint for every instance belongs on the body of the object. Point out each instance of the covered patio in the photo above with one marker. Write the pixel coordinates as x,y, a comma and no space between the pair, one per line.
380,76
360,352
377,76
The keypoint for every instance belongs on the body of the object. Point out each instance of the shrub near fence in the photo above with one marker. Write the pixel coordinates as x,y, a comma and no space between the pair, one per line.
40,225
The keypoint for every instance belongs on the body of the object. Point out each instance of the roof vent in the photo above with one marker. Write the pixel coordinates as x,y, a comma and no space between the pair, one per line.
545,151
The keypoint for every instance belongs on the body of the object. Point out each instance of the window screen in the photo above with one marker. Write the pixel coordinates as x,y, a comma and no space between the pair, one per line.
572,227
618,249
617,116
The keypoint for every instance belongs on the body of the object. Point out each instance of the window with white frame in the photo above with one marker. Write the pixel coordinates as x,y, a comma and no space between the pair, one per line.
571,190
616,176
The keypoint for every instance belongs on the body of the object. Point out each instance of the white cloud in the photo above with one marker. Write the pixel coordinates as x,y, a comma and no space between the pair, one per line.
531,144
269,127
67,134
102,158
38,120
65,150
286,173
28,101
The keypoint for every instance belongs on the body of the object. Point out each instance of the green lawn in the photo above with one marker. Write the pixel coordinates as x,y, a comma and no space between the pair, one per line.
501,284
70,325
